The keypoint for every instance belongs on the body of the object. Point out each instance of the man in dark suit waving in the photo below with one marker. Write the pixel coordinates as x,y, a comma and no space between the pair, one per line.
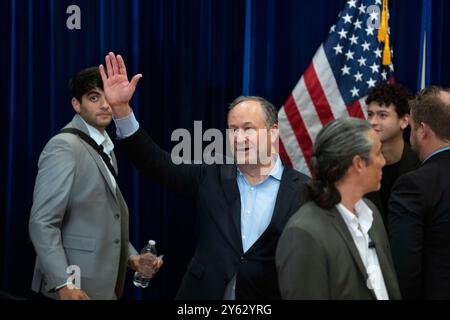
419,207
242,207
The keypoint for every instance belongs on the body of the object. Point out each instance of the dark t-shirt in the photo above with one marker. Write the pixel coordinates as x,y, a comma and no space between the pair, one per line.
408,162
390,174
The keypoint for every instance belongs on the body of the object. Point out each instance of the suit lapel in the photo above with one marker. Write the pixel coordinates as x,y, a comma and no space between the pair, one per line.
102,167
78,124
114,163
232,221
339,223
288,189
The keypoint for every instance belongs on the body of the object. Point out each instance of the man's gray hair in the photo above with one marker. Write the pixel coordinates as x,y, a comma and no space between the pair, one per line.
270,112
334,149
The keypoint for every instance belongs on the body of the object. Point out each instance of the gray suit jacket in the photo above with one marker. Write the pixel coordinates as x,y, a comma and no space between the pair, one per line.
78,218
317,258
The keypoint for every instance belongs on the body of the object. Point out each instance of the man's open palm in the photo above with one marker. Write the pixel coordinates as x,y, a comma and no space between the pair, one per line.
118,90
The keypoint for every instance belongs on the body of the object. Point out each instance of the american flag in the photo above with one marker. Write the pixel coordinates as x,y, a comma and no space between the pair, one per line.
336,83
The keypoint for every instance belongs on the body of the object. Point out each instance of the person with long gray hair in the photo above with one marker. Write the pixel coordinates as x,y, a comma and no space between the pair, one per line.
335,246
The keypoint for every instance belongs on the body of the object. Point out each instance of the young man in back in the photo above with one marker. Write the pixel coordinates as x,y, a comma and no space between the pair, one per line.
388,114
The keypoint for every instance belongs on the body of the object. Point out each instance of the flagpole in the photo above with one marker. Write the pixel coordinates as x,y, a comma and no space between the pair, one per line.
429,43
424,72
247,49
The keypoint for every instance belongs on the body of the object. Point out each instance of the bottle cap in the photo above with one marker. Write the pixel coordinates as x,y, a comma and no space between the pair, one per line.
152,242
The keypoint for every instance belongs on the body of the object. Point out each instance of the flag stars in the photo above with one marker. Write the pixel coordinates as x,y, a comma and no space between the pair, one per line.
374,68
352,3
354,53
338,49
378,52
354,92
361,70
349,54
362,61
342,34
371,83
362,9
345,70
347,18
378,2
354,39
374,15
358,76
357,24
365,46
369,30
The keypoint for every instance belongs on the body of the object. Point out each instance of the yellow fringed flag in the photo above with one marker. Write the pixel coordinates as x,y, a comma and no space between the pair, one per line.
383,34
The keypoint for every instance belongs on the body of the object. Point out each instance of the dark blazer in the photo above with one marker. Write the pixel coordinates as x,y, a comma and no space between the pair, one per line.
407,163
317,258
419,223
219,255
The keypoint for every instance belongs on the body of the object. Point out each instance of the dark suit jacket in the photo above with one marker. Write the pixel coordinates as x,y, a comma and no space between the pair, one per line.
407,163
219,255
317,258
419,222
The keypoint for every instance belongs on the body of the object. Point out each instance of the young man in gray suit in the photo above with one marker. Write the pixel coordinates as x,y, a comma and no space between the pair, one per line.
335,246
79,218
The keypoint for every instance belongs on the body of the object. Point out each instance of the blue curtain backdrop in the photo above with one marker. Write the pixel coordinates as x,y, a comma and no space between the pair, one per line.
196,57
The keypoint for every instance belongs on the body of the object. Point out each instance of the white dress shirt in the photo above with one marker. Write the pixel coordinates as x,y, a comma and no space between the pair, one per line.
359,226
108,146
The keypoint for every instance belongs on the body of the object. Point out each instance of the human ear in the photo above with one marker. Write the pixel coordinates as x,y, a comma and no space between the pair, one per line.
404,121
75,104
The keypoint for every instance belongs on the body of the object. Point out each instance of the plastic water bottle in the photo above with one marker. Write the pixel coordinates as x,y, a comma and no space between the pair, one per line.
141,280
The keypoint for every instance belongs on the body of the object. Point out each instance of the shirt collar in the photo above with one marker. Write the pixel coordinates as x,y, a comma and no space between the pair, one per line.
363,217
276,172
436,152
99,138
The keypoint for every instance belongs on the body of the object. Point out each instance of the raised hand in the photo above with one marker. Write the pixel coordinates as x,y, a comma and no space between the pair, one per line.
118,90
